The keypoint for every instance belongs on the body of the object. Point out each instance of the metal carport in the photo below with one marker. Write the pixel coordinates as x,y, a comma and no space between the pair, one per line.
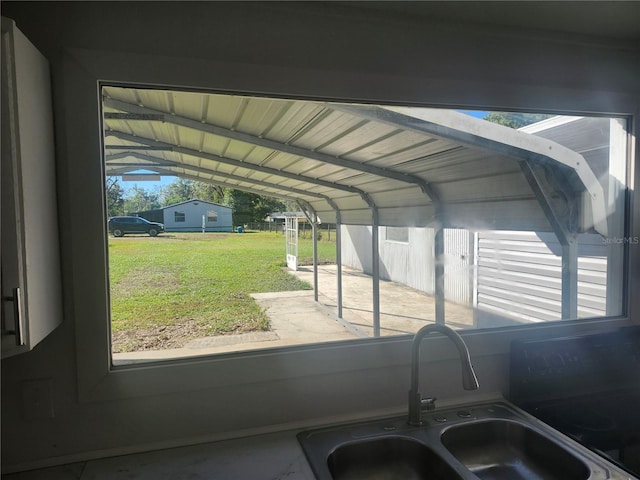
363,165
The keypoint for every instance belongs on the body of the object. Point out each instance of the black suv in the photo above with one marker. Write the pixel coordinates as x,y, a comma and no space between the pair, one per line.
118,226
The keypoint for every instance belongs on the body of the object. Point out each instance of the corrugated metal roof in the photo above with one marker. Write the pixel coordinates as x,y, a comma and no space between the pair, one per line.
194,201
416,166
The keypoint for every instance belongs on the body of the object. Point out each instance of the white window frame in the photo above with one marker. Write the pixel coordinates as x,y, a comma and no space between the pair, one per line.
212,216
98,381
179,216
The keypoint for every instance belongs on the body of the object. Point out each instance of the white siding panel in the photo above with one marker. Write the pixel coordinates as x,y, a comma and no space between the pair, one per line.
494,312
401,217
593,289
519,299
549,291
489,258
519,277
588,312
594,302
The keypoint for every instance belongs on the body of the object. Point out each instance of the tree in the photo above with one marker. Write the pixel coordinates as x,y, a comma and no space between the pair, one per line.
290,206
250,207
140,200
115,197
177,191
266,205
209,191
515,120
182,190
240,203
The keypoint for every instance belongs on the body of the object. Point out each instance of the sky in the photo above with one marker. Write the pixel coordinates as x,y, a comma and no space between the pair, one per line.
474,113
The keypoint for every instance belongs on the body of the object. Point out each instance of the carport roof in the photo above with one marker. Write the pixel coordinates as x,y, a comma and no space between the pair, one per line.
411,166
193,200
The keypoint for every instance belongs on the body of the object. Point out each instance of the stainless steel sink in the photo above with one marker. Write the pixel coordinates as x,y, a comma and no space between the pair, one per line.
505,449
492,440
388,458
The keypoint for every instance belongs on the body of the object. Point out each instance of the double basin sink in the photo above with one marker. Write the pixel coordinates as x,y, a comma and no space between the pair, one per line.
478,441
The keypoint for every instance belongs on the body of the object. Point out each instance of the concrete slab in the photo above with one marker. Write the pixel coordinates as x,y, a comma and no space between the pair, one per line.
402,309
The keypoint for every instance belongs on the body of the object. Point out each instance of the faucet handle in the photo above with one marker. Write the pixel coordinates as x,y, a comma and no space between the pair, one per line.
428,403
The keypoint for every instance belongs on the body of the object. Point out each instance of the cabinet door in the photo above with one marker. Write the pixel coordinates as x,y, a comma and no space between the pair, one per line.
31,290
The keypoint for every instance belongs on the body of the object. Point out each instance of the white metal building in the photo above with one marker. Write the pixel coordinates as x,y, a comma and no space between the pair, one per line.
197,215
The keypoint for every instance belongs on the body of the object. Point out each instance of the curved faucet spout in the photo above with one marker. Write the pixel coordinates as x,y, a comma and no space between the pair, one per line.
469,380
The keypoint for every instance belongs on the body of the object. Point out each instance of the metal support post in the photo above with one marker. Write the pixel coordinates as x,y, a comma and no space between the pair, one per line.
375,260
570,279
618,140
339,261
314,232
568,242
438,253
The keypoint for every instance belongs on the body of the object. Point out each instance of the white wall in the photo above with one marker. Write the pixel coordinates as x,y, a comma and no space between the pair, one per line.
408,263
320,50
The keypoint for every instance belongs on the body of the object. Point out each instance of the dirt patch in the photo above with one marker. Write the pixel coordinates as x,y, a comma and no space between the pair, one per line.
158,338
139,280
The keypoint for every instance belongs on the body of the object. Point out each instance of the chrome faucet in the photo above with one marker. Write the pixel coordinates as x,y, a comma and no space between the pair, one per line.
469,380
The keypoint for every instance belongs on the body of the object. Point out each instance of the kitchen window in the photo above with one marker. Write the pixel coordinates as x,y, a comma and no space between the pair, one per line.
531,233
99,379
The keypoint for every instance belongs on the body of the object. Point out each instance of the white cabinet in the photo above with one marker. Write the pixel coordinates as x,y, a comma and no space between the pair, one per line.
31,290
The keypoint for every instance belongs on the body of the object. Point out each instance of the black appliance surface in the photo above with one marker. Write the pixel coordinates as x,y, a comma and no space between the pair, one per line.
587,387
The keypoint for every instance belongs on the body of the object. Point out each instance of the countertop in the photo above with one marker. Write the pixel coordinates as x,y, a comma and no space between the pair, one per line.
269,456
263,457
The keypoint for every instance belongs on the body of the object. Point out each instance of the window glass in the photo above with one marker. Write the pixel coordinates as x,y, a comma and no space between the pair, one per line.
525,213
397,234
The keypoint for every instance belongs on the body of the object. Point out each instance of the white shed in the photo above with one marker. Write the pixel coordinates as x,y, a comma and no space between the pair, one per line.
194,215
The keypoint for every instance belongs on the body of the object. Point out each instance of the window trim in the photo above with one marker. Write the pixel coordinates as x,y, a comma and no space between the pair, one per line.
179,216
98,381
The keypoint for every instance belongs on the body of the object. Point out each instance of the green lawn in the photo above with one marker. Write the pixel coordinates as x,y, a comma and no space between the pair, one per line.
194,284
